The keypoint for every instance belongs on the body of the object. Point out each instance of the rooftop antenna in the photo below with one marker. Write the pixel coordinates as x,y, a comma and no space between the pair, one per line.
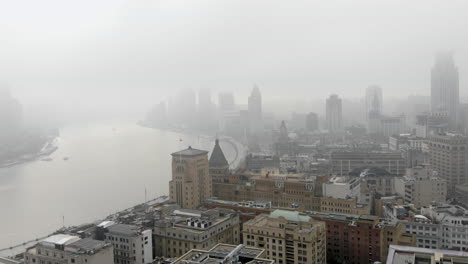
146,198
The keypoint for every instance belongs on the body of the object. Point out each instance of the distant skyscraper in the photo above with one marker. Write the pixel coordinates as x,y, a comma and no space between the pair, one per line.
312,122
255,111
374,100
334,114
445,87
191,182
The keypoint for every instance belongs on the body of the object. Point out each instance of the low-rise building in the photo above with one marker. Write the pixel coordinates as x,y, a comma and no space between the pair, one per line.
226,254
65,249
360,239
187,229
132,244
288,237
345,162
415,255
421,186
342,187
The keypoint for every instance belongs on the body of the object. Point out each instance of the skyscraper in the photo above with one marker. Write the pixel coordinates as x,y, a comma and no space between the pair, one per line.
226,102
334,114
445,87
374,100
191,182
255,111
312,122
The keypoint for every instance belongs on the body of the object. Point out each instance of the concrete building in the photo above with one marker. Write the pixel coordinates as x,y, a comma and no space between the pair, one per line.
334,114
437,226
360,239
421,187
132,244
191,182
342,187
445,87
416,255
187,229
65,249
345,162
225,254
449,155
288,237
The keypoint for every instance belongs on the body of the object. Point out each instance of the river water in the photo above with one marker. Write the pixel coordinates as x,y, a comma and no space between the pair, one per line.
109,167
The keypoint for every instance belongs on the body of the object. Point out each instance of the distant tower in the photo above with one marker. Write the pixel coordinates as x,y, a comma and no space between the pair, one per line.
445,87
191,183
334,114
374,100
312,122
218,163
283,137
255,111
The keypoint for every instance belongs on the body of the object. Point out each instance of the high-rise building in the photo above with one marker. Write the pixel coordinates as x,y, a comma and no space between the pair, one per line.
449,158
334,114
374,100
255,111
445,87
312,123
289,237
191,182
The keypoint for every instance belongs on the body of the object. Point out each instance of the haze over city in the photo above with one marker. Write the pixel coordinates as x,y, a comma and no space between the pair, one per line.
130,54
233,132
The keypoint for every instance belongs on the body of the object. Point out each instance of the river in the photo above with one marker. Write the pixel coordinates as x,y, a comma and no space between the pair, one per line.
109,167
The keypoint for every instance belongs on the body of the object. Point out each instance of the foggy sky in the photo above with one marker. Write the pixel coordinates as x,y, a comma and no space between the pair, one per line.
135,53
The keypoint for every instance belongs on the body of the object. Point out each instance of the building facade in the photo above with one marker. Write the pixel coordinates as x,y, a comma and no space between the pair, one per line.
187,229
132,244
345,162
288,237
421,187
191,182
448,153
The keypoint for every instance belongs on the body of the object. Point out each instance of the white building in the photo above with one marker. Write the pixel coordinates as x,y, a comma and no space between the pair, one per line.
448,228
65,249
342,188
132,244
421,186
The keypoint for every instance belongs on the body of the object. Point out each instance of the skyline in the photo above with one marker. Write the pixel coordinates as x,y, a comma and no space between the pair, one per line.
129,52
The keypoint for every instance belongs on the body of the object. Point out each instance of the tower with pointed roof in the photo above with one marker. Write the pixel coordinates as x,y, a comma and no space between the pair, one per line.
219,166
191,182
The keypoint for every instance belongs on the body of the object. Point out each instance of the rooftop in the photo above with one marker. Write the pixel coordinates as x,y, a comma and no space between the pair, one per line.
122,229
217,159
60,239
290,215
86,246
415,255
190,152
